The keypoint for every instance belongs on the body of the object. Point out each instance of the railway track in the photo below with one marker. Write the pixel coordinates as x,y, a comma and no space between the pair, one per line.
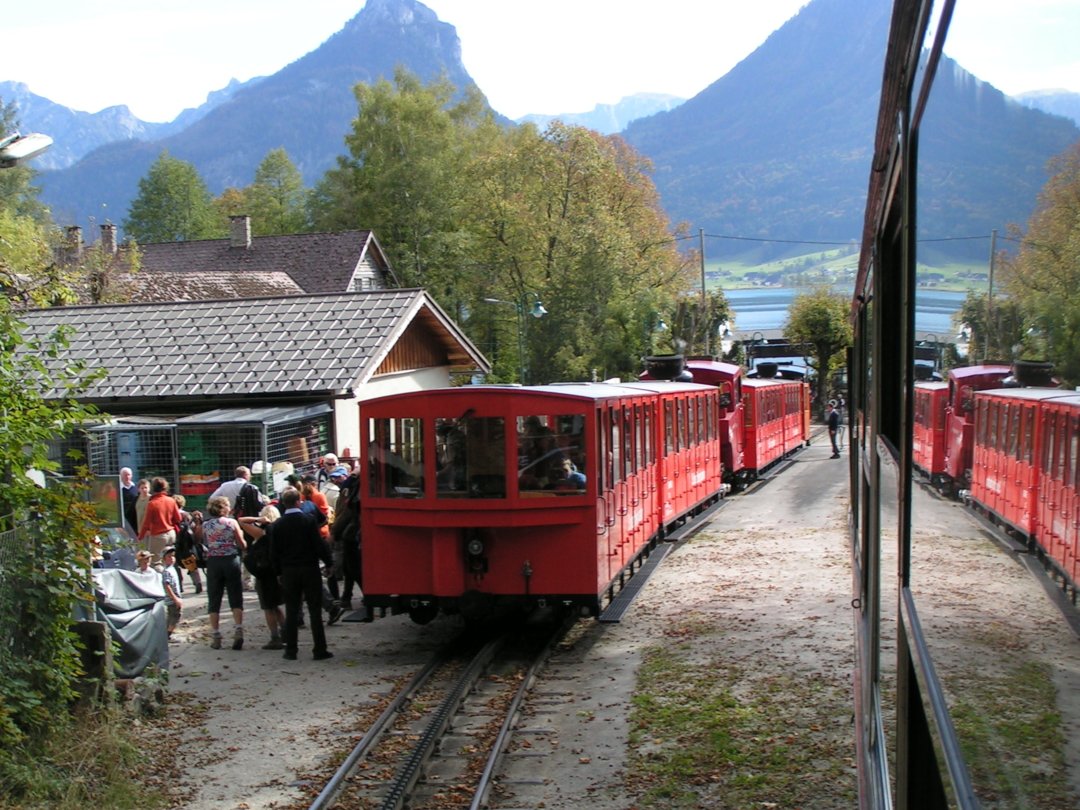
439,741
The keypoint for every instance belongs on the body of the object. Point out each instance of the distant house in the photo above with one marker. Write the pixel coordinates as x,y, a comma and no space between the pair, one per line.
244,266
183,377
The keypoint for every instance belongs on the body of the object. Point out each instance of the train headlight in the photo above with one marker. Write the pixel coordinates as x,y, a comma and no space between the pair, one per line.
475,547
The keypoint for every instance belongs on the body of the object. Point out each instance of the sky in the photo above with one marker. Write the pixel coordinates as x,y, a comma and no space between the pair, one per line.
559,56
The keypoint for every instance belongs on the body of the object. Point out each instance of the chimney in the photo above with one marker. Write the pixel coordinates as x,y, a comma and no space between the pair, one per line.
240,231
108,239
73,244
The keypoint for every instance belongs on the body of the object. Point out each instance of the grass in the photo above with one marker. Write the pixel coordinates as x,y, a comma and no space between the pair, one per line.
1011,734
90,759
708,733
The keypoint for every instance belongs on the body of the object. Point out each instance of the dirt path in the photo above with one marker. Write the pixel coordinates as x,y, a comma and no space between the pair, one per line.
762,593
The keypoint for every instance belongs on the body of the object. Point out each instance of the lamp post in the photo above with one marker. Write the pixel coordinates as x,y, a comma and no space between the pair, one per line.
755,338
927,337
536,310
16,148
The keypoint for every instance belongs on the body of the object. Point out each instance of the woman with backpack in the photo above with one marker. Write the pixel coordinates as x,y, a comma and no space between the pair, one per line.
257,562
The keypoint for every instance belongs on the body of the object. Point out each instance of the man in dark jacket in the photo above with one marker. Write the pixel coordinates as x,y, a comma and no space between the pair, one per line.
296,549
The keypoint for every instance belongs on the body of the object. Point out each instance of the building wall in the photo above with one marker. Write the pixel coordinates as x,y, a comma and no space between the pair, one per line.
346,411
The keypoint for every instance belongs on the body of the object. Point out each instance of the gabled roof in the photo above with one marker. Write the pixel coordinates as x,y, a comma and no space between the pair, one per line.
198,285
313,345
316,262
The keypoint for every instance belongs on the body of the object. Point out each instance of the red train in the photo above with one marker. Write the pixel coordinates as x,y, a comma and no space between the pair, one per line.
762,420
1025,469
944,421
479,498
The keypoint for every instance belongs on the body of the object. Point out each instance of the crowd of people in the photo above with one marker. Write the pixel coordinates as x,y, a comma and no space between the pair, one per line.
300,548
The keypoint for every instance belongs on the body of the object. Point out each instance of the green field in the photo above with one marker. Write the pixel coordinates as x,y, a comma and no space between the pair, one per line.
833,267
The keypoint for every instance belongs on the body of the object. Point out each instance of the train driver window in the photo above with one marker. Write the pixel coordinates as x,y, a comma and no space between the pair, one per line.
470,457
396,455
551,454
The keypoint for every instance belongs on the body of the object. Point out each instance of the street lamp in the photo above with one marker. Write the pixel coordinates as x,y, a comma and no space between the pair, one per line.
536,310
17,148
927,336
755,338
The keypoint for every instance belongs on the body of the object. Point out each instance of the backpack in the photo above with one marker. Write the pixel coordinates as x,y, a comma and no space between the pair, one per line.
257,559
248,502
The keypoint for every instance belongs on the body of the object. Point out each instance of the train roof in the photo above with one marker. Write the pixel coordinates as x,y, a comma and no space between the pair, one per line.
569,390
1031,394
932,385
764,382
984,370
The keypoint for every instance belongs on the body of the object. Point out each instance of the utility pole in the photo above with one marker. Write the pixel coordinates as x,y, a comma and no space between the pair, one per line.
990,295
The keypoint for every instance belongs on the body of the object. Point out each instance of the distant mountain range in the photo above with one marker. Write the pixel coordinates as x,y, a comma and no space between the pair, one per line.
777,148
608,119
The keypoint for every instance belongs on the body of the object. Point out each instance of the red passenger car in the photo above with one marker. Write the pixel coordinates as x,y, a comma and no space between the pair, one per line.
727,377
776,421
482,497
761,419
1058,503
928,433
1024,474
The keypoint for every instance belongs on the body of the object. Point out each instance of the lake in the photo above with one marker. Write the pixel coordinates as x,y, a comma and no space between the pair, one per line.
761,309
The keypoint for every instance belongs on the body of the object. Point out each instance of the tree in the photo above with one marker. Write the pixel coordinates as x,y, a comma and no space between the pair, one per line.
403,174
46,540
573,217
172,205
277,201
820,319
1044,277
996,330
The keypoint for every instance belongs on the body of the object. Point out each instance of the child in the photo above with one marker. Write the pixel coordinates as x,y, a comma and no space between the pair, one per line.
172,587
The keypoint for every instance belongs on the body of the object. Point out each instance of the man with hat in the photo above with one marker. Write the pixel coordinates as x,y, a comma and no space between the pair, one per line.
332,485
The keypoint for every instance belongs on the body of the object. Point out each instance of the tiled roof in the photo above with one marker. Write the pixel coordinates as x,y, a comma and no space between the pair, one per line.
195,285
310,344
316,262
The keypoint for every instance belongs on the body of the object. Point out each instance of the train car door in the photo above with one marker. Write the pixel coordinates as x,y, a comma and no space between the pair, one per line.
1024,475
668,462
1051,482
1070,505
608,461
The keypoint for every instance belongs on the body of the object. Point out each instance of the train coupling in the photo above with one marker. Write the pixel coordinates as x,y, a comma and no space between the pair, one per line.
964,496
725,490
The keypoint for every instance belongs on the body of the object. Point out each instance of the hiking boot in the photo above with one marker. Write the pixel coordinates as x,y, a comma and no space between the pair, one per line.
336,612
274,643
215,642
238,638
322,656
290,655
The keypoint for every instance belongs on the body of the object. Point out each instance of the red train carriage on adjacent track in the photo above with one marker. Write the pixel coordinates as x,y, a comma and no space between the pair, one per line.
776,421
1024,471
761,419
482,497
928,430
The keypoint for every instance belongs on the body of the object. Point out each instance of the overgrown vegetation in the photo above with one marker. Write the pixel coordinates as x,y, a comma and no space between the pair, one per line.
709,733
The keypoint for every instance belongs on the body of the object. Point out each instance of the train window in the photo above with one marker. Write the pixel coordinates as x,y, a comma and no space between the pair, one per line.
1014,431
646,428
396,454
1026,420
639,446
1074,441
616,447
602,445
681,439
470,457
669,427
629,434
551,461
